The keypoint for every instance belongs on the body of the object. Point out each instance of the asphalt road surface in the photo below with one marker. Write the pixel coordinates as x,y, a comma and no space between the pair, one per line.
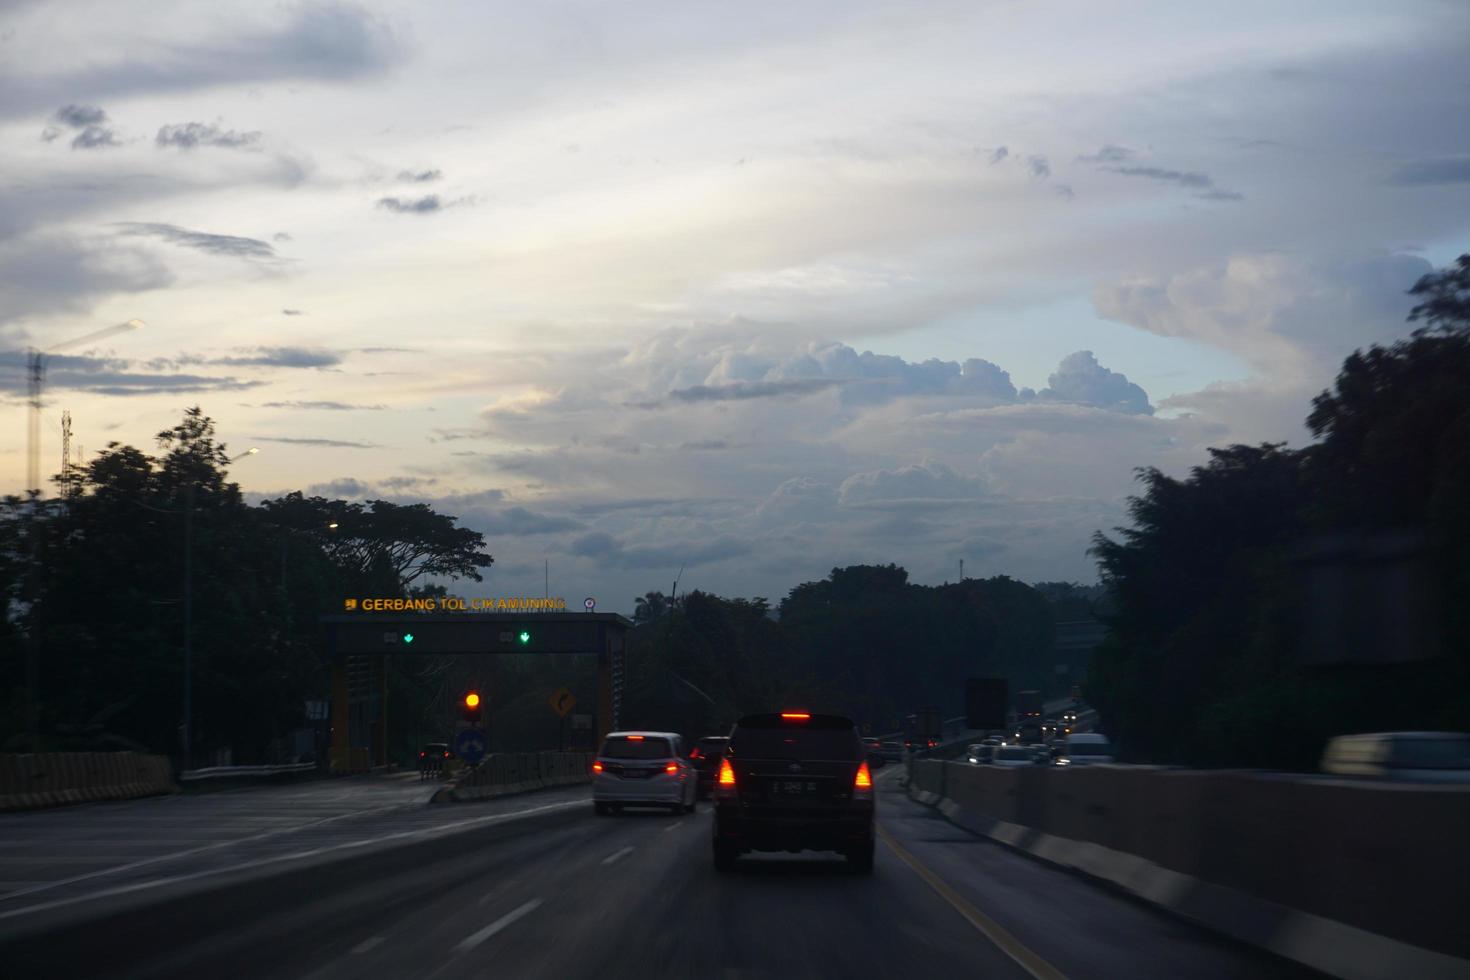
563,893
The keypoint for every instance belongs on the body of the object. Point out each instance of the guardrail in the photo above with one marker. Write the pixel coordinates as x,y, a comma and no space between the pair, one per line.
225,772
1353,878
505,773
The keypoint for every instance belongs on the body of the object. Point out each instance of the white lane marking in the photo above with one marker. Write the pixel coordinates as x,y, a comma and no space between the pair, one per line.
436,830
673,826
144,862
476,938
367,945
617,855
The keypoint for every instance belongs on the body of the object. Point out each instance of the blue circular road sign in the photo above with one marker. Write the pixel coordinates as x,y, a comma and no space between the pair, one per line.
469,745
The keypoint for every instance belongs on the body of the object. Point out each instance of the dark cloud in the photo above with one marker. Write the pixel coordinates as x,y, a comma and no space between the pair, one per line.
998,154
288,357
81,116
1183,178
1039,166
608,550
1219,194
1080,380
1109,153
317,39
419,176
516,521
49,134
249,248
282,236
745,390
324,443
290,312
704,445
1064,190
110,376
189,135
1429,173
324,406
344,487
94,137
922,483
424,205
47,274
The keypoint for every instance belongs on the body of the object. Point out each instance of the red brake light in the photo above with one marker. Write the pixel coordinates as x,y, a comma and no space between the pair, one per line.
864,778
421,755
671,767
635,738
727,773
597,767
694,754
795,716
446,755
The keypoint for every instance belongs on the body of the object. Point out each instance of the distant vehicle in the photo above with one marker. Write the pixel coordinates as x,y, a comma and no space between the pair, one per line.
1427,757
1087,748
1027,731
1011,756
705,758
794,781
874,750
1028,705
643,769
432,758
892,750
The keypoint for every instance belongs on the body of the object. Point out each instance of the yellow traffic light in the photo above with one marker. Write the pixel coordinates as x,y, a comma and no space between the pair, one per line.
472,700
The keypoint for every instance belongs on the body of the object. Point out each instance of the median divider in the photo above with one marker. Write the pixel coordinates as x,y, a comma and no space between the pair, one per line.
33,781
507,773
1353,878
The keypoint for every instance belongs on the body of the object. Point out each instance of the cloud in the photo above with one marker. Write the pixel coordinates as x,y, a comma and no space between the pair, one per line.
110,376
342,487
424,205
745,390
282,236
94,137
189,135
287,357
1430,173
325,406
291,312
1080,380
324,443
316,39
516,521
1180,178
80,116
1108,153
924,482
419,176
233,245
610,551
998,154
1038,166
53,273
1285,313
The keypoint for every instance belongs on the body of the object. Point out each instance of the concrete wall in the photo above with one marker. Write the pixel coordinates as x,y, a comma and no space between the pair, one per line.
33,781
1389,859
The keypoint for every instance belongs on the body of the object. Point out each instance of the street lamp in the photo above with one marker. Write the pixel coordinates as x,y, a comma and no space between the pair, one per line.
35,377
186,729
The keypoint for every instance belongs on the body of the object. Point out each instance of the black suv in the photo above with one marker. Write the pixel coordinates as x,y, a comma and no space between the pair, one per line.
794,781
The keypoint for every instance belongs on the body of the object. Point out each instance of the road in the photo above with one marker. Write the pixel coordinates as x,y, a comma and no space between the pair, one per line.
565,894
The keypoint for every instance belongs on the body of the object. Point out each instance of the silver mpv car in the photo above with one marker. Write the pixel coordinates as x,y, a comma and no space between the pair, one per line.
643,769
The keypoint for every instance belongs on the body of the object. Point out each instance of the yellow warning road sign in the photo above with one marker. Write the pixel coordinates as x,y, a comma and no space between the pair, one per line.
562,702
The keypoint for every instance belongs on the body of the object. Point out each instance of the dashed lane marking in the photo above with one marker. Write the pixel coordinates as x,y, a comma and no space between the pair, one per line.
476,938
367,945
617,855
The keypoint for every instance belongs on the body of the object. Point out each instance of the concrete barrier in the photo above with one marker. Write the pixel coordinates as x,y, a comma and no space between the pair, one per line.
1354,878
32,781
506,773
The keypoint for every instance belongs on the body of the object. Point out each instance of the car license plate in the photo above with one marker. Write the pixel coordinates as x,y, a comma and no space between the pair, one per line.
788,788
635,773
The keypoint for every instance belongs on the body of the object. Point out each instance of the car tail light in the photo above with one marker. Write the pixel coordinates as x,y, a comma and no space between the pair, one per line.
635,738
421,755
446,755
725,781
694,754
671,768
597,767
862,784
795,716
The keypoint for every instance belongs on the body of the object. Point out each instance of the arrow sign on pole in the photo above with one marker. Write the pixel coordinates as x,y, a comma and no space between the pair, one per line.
562,702
469,745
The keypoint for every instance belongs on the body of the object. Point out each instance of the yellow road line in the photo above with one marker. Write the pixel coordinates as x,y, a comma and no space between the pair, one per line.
989,928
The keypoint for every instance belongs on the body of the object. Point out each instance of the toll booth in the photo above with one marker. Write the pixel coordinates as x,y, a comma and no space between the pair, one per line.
358,645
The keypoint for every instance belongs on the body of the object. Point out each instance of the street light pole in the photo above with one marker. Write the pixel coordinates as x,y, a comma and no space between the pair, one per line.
35,376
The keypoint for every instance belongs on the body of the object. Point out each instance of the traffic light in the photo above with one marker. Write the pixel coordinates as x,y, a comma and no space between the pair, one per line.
472,708
524,636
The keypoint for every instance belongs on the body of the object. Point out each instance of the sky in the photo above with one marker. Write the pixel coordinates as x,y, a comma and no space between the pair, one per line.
751,290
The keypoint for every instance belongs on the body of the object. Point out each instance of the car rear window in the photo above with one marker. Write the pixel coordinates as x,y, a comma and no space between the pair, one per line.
1090,748
1015,752
829,737
636,748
